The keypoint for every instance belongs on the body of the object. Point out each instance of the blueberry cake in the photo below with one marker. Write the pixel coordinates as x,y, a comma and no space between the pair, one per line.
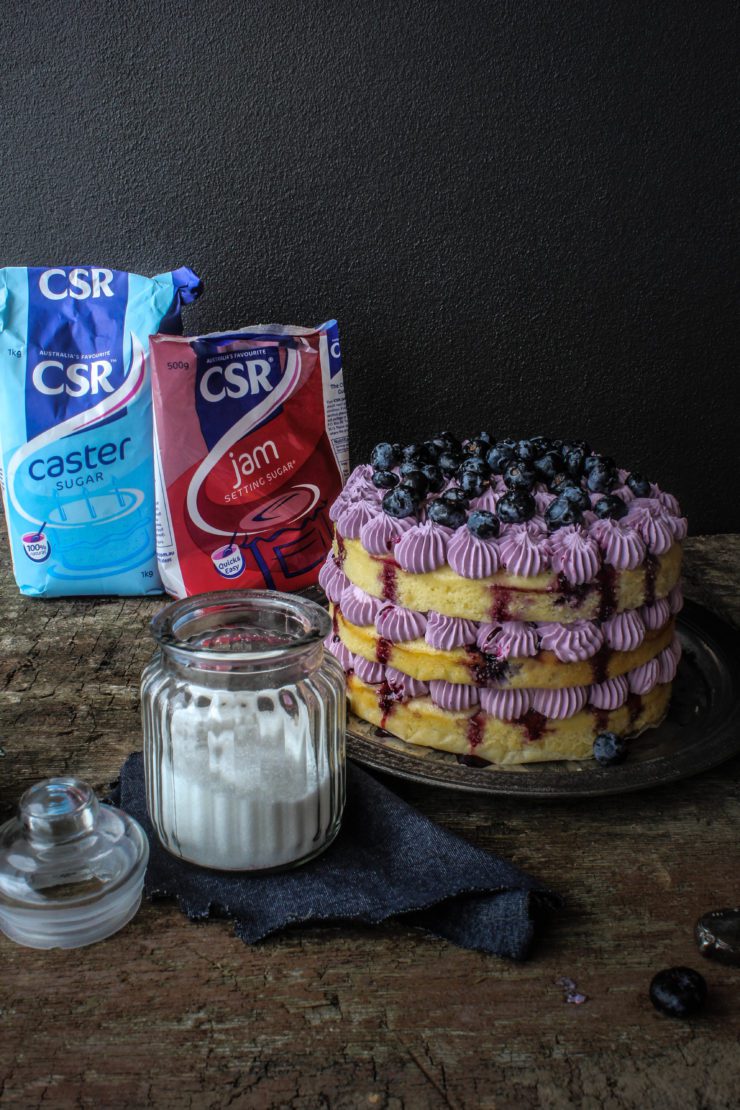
508,600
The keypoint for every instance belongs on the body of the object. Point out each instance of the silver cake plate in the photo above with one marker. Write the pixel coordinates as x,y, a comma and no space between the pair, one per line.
702,729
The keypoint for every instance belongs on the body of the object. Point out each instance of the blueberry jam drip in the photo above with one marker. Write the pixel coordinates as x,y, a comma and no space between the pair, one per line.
388,698
341,550
600,664
335,622
484,668
634,707
383,649
601,718
389,579
500,602
607,579
651,573
473,761
534,725
572,595
476,726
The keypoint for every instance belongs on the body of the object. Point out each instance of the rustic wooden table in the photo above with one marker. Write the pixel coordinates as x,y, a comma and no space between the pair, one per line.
168,1013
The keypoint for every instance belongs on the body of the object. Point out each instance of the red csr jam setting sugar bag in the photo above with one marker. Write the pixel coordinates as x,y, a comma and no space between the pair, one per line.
250,451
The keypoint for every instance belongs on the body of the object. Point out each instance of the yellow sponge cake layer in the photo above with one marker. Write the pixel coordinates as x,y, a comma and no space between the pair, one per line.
503,596
533,739
544,670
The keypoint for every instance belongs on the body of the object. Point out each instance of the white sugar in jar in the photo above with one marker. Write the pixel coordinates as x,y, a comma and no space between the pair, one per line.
244,719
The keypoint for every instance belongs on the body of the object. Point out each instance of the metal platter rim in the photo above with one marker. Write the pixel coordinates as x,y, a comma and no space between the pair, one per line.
721,732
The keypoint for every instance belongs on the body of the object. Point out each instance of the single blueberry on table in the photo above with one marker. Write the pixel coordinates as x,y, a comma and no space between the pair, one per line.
484,525
384,456
610,507
385,479
516,506
560,513
609,749
678,992
399,503
639,485
441,512
718,935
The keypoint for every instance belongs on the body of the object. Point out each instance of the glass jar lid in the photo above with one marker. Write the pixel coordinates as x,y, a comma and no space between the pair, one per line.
71,870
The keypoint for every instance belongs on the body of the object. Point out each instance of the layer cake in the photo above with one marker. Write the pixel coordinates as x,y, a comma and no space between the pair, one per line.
510,601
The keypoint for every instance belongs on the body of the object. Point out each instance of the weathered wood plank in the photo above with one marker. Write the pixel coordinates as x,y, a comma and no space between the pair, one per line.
168,1013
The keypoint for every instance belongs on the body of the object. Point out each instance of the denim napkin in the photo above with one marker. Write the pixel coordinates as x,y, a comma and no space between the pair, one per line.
388,861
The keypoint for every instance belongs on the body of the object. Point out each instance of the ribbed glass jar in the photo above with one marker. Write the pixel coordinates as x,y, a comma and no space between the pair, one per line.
244,730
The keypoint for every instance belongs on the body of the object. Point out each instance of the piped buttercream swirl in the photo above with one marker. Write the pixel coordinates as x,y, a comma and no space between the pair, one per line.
408,687
511,640
445,633
487,500
667,665
574,555
643,679
342,654
522,553
675,600
679,526
423,548
381,533
571,642
560,703
609,694
368,671
623,548
505,705
485,635
354,516
358,607
624,631
652,523
471,557
397,624
455,696
332,580
657,614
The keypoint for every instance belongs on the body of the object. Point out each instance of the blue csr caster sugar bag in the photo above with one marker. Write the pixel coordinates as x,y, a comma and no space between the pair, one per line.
76,424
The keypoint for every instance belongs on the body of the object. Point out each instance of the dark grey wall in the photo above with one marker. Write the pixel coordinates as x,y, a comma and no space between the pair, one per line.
520,212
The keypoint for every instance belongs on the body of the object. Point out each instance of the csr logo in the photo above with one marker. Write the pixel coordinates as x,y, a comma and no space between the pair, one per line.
236,379
76,380
79,284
